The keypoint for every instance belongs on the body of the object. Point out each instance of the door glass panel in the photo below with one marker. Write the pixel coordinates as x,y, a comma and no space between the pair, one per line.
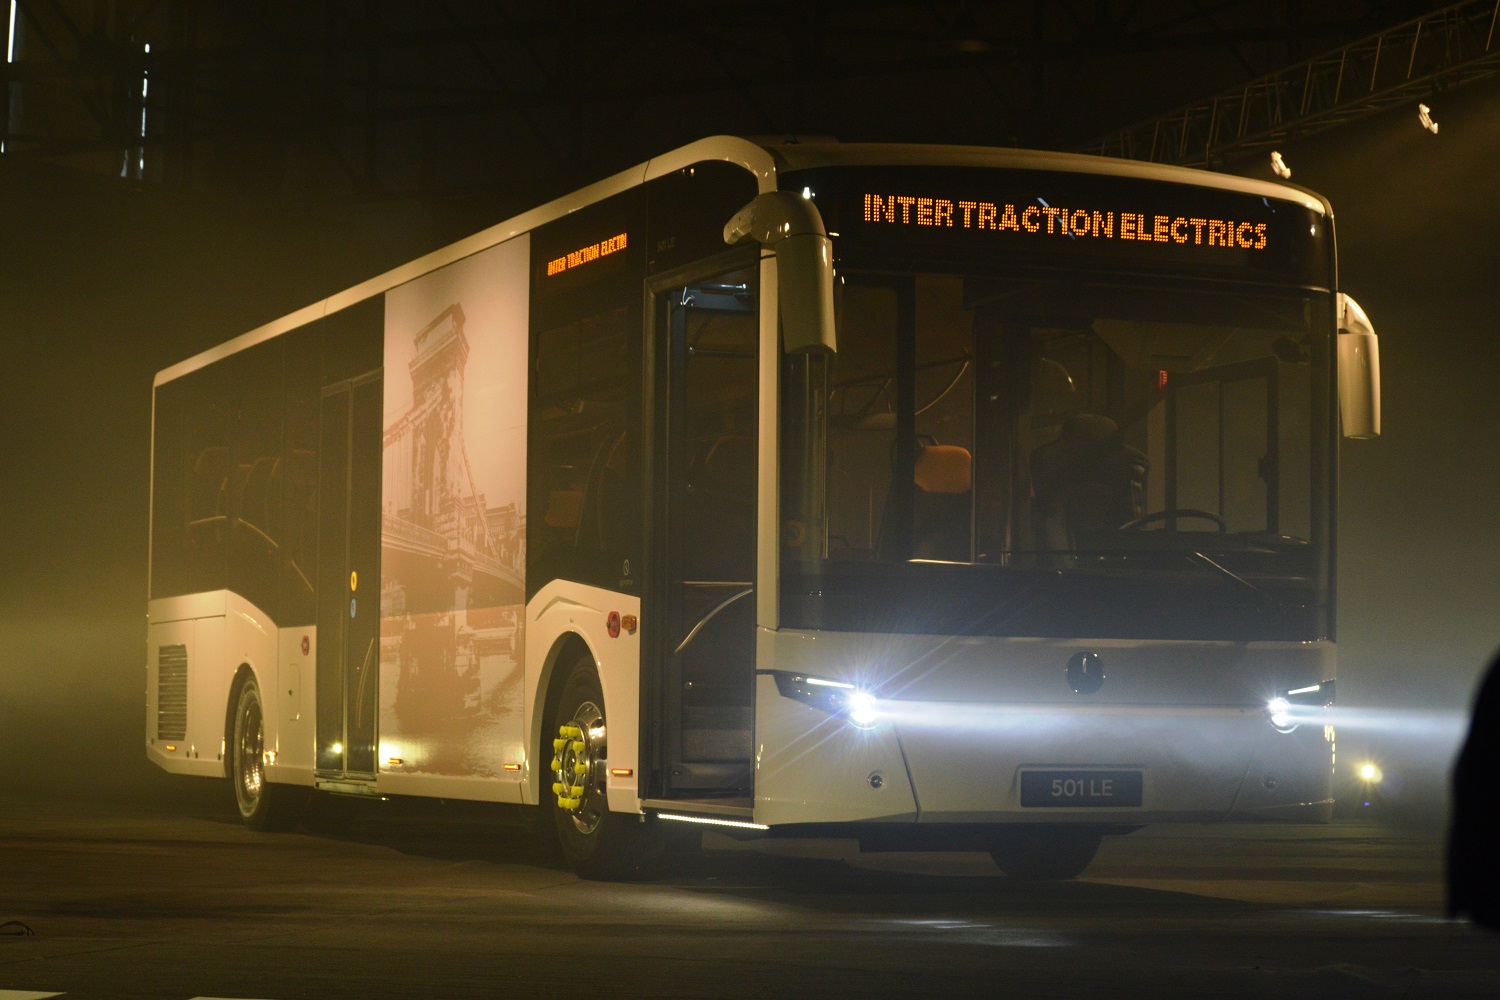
713,329
362,648
348,577
333,589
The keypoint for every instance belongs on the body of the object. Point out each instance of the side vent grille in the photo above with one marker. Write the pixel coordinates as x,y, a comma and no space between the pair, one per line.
171,692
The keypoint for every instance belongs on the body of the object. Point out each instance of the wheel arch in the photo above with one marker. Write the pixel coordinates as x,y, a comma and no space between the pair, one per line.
564,648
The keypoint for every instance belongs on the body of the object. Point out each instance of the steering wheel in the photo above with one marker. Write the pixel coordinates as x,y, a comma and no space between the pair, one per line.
1166,515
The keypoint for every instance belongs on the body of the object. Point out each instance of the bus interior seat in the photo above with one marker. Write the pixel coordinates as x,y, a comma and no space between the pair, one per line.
1086,482
729,464
564,500
260,486
944,475
606,494
210,475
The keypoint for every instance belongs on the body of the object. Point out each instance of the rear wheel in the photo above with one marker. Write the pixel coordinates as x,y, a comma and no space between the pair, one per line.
595,842
262,805
1044,853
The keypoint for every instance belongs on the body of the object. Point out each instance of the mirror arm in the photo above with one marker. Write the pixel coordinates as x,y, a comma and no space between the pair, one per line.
791,227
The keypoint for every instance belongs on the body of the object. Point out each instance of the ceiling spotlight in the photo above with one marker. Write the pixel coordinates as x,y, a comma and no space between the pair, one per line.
1279,165
1424,113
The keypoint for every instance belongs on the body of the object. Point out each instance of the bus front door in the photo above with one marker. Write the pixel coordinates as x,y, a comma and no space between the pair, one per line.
710,328
348,579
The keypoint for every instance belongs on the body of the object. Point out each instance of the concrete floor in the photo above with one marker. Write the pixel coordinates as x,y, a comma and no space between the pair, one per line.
176,901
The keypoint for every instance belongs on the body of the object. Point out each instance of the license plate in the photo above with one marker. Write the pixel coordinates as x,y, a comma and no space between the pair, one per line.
1080,789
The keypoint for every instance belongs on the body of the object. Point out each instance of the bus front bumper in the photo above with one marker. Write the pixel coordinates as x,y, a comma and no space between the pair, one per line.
985,763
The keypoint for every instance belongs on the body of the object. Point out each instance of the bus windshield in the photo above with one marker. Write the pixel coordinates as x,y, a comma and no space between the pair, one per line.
1058,456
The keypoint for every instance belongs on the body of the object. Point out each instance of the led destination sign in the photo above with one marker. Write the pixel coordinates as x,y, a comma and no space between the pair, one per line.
585,255
1053,220
1001,221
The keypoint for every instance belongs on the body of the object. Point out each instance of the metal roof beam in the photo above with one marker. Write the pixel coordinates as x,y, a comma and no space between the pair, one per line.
1449,46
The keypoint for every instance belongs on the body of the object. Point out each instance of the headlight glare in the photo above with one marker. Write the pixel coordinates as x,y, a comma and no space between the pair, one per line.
861,709
1288,709
840,698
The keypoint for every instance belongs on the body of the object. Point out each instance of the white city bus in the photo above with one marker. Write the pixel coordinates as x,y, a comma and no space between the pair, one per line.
933,497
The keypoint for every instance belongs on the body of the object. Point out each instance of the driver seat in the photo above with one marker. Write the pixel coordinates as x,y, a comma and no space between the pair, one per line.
1086,482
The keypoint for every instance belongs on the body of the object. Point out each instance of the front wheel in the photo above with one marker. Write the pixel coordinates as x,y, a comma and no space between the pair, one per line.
1044,853
262,805
595,842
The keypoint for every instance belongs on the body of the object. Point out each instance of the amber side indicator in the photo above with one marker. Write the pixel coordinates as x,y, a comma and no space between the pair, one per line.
621,772
511,767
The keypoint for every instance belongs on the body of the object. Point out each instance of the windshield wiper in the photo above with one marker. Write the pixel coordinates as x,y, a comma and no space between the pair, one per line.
1266,599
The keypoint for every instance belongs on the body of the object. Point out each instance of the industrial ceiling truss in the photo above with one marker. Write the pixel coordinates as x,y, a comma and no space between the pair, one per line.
1401,65
360,100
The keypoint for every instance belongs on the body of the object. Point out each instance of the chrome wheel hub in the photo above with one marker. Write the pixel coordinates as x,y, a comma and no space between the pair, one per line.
579,767
249,744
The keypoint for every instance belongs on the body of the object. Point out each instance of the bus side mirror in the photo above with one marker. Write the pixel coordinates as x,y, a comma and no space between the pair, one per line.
792,228
1359,371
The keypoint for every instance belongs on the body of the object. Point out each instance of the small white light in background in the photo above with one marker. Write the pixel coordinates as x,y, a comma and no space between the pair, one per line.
1279,166
1424,114
1371,773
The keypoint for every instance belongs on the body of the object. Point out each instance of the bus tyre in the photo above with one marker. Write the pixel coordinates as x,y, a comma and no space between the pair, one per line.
262,805
594,842
1044,853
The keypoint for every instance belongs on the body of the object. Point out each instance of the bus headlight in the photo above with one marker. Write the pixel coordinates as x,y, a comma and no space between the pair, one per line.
858,706
1298,705
862,710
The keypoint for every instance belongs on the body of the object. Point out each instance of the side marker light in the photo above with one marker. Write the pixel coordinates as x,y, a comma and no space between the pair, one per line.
712,821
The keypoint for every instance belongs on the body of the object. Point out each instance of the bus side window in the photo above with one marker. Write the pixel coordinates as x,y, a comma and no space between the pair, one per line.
582,451
254,480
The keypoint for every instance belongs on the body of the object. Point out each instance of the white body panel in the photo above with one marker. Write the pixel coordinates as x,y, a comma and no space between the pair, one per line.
219,645
222,633
563,610
451,715
293,703
962,718
811,767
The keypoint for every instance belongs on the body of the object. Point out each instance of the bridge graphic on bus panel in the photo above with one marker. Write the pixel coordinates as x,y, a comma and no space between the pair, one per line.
453,566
